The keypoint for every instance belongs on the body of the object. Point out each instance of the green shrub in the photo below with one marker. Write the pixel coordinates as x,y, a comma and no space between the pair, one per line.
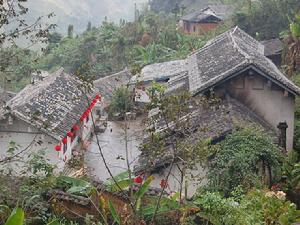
241,158
256,207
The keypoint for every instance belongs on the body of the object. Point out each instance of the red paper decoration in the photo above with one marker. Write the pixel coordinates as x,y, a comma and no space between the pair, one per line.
98,97
58,148
70,134
138,180
163,183
75,127
64,140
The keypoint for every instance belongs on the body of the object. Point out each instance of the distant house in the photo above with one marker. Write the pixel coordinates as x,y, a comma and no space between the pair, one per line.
273,50
252,90
204,20
52,114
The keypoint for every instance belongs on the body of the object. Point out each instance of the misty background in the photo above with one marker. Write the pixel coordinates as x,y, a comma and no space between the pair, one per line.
80,12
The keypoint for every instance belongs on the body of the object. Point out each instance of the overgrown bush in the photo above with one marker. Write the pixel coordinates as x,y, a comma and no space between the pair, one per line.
121,101
256,207
242,159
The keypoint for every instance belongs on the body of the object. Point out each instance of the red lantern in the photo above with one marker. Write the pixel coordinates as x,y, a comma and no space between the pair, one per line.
82,118
64,140
75,127
57,148
98,97
88,111
163,183
70,134
95,101
138,180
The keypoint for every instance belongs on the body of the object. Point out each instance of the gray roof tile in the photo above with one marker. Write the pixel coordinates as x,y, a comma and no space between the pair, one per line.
53,105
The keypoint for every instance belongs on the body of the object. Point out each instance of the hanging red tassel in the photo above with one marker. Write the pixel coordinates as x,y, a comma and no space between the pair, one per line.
64,140
75,127
70,134
58,148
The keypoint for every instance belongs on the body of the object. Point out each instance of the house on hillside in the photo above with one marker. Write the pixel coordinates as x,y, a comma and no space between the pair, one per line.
107,85
273,50
165,73
204,20
252,90
52,114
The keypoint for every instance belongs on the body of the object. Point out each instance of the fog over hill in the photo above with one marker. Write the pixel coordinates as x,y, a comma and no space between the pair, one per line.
80,12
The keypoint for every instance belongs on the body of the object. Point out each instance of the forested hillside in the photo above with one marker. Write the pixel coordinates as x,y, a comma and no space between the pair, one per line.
154,37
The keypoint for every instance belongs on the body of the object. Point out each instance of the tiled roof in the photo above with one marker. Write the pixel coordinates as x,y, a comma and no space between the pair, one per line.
273,46
228,54
160,71
5,96
206,122
107,85
211,12
53,105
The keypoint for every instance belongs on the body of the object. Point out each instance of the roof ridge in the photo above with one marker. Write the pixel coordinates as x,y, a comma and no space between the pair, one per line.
236,46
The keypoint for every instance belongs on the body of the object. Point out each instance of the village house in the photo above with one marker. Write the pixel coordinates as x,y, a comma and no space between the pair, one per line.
204,20
108,84
273,50
52,114
162,73
252,90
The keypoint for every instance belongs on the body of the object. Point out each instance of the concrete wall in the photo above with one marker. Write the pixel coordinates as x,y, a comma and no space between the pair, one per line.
26,136
265,98
190,183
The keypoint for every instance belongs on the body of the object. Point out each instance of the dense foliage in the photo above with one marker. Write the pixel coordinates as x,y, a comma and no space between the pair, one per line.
254,207
245,155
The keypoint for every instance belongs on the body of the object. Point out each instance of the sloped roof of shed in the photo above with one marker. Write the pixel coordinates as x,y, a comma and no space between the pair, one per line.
207,122
53,105
228,54
273,46
161,71
107,85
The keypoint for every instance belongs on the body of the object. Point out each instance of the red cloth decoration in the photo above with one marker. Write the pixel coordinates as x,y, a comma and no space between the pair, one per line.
64,140
58,148
163,183
70,134
138,180
98,97
75,127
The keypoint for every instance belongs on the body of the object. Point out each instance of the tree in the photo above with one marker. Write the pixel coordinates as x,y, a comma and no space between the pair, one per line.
121,101
70,31
266,18
89,26
292,57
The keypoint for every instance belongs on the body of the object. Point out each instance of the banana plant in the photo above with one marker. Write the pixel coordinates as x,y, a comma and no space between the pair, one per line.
16,217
